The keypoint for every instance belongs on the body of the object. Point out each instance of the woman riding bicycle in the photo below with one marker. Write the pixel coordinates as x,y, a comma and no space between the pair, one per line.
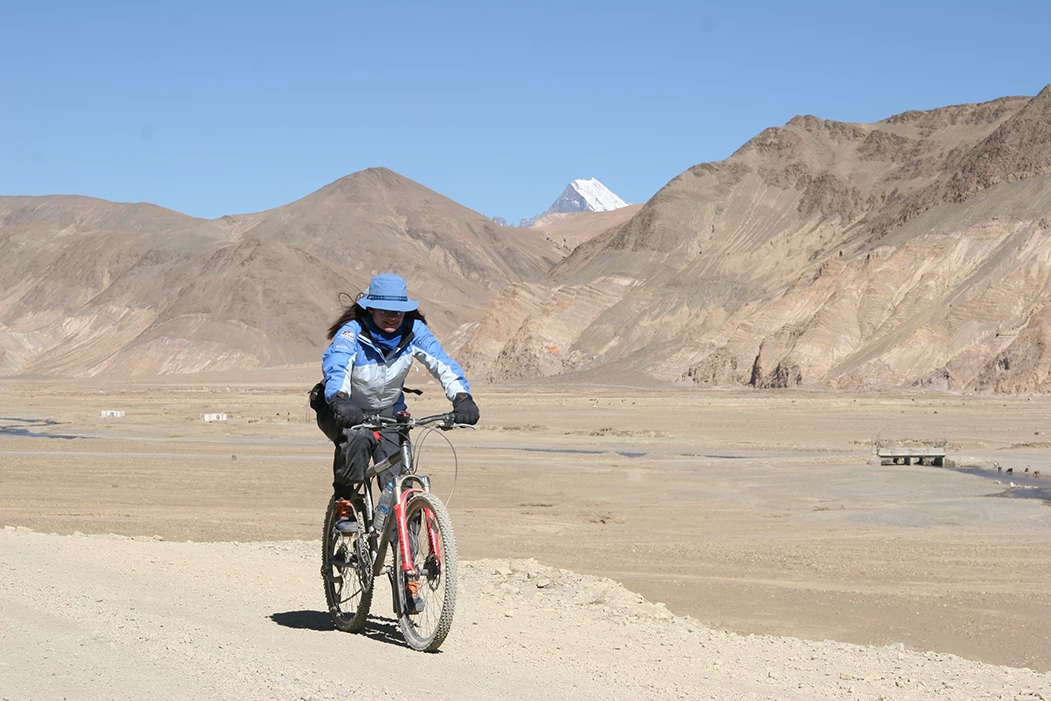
373,345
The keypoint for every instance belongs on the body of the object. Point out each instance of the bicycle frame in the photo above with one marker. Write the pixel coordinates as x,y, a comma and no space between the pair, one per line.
403,489
424,564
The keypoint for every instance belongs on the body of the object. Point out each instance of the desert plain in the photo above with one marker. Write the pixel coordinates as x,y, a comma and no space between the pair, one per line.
692,544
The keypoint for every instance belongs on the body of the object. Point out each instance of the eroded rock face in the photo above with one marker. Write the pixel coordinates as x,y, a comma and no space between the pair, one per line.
910,252
913,252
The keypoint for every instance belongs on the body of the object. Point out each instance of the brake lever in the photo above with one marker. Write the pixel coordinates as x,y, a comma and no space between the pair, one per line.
451,425
372,422
447,423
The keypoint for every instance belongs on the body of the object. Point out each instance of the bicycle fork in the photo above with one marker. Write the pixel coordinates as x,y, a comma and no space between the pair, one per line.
403,582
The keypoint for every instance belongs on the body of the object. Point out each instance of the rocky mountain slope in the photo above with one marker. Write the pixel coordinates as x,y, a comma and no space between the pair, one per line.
93,287
915,251
912,252
570,229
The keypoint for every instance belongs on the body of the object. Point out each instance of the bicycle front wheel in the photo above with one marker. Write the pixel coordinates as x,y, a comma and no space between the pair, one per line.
346,569
428,596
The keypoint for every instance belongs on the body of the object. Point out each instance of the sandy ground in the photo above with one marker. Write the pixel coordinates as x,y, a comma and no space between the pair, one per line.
760,514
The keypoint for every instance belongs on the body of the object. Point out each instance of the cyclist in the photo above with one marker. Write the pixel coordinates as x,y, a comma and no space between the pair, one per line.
373,344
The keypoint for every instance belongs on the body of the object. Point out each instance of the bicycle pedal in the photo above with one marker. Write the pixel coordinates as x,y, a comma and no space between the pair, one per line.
414,605
344,560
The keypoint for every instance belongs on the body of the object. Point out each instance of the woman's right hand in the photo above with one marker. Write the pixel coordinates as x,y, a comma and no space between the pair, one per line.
347,413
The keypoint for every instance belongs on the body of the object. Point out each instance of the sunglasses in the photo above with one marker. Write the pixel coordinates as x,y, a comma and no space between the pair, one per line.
388,312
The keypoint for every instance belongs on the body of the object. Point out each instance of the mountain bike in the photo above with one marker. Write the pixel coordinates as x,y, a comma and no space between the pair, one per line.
422,571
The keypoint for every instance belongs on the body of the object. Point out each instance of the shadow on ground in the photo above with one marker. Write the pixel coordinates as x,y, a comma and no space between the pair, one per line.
377,628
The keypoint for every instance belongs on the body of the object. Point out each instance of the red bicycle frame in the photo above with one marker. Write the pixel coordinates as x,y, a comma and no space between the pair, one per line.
403,533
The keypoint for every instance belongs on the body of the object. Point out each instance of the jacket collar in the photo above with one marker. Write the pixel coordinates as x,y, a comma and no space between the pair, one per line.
406,338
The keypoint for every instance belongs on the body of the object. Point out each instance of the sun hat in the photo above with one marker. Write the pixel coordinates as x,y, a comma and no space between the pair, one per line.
388,291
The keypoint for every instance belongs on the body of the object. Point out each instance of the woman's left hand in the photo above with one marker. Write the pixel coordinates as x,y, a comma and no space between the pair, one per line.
465,411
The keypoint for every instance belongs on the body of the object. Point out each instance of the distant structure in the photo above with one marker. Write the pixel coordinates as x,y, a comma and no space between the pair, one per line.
213,417
109,413
890,454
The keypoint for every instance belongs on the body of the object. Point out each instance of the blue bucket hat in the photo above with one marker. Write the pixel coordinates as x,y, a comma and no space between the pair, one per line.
388,291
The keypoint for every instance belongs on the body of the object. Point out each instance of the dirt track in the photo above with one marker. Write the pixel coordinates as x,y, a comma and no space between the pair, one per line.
753,513
146,619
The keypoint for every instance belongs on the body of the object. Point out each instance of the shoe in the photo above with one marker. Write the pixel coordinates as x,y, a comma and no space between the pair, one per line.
345,523
413,603
346,526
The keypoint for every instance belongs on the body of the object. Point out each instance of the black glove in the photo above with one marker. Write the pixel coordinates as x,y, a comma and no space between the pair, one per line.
317,396
465,411
347,413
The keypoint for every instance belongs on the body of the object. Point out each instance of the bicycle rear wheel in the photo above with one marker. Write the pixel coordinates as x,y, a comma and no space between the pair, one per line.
433,548
346,569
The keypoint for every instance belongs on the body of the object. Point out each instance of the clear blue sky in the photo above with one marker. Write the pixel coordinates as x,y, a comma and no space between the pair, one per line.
213,108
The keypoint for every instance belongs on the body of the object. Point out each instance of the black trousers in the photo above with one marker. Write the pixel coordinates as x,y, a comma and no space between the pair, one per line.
354,449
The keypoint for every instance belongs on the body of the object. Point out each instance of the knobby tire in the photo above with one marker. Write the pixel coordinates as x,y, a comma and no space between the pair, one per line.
346,570
427,629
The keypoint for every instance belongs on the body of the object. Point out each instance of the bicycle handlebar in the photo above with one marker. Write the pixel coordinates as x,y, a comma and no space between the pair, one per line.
376,421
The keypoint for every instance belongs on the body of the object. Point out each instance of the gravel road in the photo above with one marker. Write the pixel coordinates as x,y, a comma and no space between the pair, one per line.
112,617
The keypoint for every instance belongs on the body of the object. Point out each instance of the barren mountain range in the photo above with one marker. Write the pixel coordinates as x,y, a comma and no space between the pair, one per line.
94,287
915,251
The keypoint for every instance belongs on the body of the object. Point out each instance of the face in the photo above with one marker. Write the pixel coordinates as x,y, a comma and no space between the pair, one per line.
386,321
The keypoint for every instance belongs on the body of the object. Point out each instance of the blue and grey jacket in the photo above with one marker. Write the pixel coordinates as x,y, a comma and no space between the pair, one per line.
354,364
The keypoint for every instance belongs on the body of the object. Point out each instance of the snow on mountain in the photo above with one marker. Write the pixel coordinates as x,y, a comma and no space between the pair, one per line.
582,196
586,196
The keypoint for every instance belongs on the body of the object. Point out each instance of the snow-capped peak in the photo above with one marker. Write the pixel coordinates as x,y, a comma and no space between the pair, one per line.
586,196
581,196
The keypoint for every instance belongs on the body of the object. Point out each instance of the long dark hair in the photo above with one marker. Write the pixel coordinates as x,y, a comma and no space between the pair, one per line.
355,311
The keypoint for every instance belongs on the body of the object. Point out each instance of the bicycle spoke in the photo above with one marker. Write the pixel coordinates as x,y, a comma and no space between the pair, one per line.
423,575
433,586
347,573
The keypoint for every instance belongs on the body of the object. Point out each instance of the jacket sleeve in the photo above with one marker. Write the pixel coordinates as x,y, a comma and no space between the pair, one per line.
427,350
338,360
